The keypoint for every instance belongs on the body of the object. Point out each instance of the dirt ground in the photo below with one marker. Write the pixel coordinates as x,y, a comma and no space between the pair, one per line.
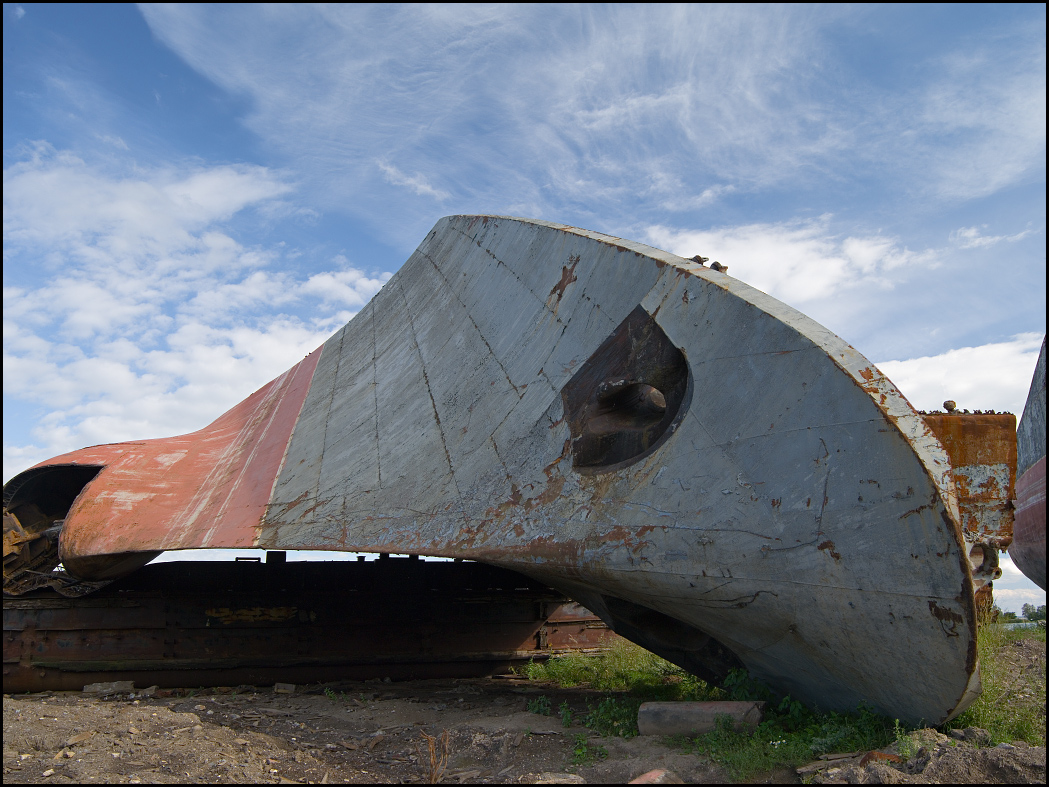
374,732
357,733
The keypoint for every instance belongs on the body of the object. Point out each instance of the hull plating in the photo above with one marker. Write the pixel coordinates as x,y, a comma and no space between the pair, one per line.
716,475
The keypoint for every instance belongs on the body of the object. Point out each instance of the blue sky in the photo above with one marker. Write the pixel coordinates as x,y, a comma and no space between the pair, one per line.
197,196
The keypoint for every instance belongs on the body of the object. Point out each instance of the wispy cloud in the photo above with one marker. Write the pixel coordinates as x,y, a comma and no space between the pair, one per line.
799,261
116,142
131,310
971,237
607,114
990,105
417,183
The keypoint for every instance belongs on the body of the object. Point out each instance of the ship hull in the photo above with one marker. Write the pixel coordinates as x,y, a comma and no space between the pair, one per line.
1028,547
717,476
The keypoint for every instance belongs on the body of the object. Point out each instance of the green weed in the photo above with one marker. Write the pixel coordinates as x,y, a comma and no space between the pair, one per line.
905,743
1011,707
566,714
540,705
583,754
615,716
791,735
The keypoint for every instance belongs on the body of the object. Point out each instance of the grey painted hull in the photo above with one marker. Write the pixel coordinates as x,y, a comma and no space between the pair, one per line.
719,477
800,513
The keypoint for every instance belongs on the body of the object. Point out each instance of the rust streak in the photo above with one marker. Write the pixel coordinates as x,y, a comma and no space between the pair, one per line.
829,546
567,277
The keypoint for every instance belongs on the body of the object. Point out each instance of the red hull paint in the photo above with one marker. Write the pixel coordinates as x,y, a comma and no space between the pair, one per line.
205,489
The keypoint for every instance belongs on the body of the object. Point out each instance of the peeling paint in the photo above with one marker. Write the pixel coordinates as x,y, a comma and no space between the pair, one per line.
449,416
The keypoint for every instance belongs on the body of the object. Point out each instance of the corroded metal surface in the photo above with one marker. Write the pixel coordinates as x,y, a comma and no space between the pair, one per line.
202,489
717,476
982,451
1028,547
226,624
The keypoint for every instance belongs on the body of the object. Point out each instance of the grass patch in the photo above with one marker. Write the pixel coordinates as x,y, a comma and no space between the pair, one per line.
791,735
623,667
1011,707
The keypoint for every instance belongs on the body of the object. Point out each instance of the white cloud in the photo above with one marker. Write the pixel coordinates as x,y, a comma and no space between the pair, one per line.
993,376
1013,599
130,309
798,262
611,111
64,204
417,183
971,237
349,287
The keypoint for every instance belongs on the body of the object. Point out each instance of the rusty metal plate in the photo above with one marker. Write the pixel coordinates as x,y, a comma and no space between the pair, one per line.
982,450
717,476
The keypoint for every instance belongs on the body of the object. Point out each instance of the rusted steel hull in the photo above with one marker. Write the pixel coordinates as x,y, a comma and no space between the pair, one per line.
717,476
1028,546
982,451
226,624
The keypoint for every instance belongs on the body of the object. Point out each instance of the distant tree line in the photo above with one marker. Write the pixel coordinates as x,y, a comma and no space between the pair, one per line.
1031,612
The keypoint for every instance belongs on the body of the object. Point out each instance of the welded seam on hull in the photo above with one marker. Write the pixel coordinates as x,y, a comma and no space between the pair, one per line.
511,411
667,293
331,400
729,459
433,404
826,485
544,302
287,445
491,352
810,348
921,598
654,600
545,305
263,519
375,398
474,324
780,432
511,272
